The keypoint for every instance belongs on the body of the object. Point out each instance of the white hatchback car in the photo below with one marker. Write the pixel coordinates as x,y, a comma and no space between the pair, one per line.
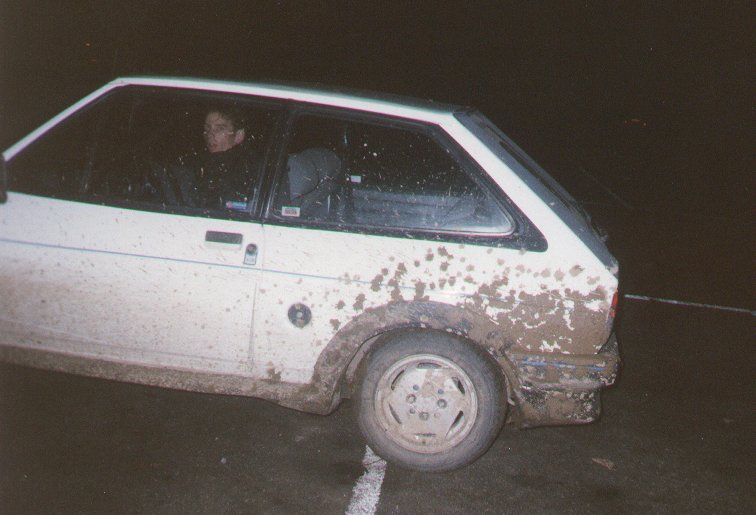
303,246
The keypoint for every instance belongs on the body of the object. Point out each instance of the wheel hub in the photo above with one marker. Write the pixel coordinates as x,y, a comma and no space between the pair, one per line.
426,403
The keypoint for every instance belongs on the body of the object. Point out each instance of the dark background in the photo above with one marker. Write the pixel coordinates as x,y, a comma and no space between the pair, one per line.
644,111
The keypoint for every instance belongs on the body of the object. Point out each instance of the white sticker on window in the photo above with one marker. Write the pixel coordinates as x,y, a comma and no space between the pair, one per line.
290,211
238,206
356,179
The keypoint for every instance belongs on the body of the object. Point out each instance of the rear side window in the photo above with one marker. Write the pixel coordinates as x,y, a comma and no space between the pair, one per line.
382,175
156,150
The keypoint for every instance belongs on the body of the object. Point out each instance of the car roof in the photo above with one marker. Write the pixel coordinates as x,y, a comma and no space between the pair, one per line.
305,92
395,105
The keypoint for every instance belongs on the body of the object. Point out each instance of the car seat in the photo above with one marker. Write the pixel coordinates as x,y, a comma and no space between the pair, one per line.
313,182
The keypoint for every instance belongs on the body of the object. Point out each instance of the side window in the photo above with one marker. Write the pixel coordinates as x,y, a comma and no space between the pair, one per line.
382,176
53,166
153,149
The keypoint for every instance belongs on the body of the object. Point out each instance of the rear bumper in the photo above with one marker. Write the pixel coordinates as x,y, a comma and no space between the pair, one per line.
558,389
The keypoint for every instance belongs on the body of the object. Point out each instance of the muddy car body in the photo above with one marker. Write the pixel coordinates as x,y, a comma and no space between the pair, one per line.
402,252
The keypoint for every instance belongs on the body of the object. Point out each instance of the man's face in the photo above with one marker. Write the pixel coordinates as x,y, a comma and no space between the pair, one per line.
220,133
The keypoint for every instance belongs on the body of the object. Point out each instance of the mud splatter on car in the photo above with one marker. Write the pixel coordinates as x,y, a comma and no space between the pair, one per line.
404,253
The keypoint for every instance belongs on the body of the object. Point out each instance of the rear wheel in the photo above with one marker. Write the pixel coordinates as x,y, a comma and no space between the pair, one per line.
430,401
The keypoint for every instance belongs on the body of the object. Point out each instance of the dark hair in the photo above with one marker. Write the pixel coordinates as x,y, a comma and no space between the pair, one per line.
232,114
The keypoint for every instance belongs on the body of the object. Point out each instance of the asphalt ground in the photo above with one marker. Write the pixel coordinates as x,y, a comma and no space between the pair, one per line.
676,436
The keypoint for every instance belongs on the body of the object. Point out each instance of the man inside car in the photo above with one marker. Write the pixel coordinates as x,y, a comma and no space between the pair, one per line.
224,174
221,177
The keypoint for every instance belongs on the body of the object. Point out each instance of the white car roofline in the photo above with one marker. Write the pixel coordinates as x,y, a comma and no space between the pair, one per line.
55,120
427,111
311,93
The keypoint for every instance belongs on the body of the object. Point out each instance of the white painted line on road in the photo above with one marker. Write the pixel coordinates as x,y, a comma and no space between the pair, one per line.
367,490
691,304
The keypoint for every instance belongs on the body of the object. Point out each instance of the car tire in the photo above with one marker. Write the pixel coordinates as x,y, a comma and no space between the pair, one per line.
431,401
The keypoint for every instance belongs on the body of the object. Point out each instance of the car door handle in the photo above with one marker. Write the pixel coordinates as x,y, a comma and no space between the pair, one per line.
230,238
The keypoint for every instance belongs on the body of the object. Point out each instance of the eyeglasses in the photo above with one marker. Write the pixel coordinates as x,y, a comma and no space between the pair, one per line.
217,131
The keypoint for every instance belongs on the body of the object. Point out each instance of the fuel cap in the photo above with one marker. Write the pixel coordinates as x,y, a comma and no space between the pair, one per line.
300,315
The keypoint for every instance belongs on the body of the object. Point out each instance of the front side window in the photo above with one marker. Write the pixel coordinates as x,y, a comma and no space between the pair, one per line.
153,149
382,175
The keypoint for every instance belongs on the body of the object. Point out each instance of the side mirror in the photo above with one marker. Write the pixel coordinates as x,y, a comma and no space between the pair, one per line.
3,180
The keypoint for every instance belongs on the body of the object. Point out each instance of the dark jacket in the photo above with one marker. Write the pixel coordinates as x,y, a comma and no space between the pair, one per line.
220,180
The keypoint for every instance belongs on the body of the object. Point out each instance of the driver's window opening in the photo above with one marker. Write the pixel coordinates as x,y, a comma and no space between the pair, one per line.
152,149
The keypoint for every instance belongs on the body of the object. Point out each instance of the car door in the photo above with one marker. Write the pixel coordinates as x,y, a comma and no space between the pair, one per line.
370,210
105,250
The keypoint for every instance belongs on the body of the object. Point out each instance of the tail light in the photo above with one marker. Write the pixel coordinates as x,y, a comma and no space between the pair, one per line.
613,308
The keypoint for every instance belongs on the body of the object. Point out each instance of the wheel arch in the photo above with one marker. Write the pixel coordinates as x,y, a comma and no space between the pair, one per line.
336,371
